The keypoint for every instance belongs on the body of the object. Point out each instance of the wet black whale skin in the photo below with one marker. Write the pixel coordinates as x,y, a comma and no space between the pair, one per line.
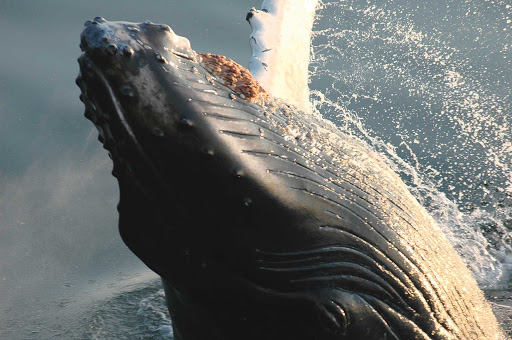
264,222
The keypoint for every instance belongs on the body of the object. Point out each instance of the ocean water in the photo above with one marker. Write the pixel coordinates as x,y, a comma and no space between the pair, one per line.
425,83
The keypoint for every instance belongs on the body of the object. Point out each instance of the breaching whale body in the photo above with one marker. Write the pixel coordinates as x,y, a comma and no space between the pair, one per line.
264,222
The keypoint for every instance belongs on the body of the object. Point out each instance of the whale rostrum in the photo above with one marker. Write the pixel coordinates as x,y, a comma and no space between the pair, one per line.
264,222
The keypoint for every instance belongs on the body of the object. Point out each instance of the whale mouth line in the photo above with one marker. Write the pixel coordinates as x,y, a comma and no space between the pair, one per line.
114,130
93,110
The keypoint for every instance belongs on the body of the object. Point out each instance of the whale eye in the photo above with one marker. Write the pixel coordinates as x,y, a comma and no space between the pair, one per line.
333,318
248,201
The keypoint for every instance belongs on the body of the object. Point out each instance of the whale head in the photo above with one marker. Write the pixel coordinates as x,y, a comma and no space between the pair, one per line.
157,105
124,68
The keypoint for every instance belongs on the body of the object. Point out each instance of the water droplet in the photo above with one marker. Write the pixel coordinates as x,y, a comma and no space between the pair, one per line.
186,122
248,202
262,132
194,70
238,173
232,96
190,99
208,151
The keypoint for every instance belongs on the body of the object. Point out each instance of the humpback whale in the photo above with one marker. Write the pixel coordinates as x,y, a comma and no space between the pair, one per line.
264,222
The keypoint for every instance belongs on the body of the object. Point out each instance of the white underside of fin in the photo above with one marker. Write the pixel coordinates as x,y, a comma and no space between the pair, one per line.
280,44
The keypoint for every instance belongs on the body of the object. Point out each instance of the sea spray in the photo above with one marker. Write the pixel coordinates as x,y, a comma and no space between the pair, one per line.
427,88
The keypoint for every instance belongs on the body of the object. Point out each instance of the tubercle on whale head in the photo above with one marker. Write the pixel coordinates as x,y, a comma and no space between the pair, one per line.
128,63
125,58
101,38
142,86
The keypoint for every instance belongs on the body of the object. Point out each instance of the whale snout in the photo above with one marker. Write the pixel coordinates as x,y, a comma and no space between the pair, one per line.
98,38
103,38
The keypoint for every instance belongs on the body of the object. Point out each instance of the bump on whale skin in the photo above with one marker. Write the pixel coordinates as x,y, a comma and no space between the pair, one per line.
264,222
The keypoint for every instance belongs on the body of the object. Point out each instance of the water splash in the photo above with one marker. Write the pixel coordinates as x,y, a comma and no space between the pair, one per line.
138,313
428,86
156,317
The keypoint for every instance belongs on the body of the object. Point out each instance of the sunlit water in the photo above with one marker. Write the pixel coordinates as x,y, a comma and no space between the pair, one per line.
427,85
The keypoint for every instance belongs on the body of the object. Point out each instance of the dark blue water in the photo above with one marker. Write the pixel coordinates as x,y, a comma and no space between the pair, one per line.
427,84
